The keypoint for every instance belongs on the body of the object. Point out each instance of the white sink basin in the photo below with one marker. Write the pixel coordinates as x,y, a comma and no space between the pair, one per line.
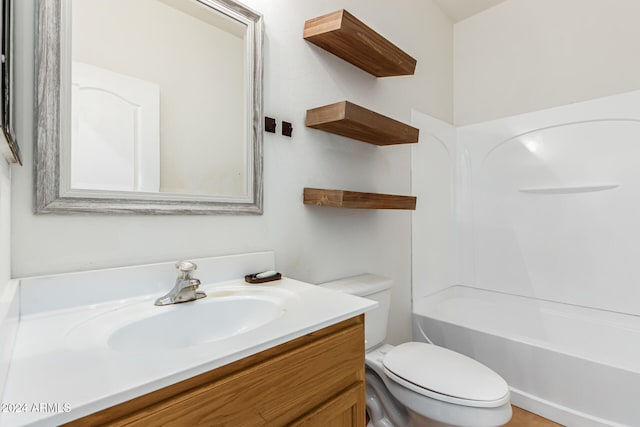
145,327
194,323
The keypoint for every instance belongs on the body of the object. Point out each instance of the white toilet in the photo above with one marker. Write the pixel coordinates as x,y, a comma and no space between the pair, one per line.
417,384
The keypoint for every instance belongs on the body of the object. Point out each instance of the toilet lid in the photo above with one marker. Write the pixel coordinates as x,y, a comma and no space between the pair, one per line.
445,375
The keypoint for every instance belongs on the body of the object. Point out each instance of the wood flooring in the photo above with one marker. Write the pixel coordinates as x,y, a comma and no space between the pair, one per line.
522,418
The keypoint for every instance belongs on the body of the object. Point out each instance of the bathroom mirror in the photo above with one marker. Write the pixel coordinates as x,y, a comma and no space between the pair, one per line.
11,149
151,107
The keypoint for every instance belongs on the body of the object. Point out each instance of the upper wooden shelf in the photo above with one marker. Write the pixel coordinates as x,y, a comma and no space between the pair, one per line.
357,200
345,36
350,120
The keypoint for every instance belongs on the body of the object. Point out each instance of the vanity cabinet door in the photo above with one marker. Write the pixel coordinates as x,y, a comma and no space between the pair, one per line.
345,410
315,380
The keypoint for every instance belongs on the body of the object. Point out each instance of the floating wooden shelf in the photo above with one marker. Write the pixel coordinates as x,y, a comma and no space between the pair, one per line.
357,200
345,36
350,120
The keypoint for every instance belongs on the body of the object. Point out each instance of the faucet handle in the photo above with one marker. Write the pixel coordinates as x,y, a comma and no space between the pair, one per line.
186,267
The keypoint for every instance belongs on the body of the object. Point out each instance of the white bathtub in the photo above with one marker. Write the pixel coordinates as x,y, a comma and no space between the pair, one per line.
577,366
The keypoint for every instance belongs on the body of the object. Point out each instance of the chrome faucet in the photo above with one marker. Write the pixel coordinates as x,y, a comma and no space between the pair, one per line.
186,286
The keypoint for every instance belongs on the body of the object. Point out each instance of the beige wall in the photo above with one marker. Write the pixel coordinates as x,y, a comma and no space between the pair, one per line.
527,55
312,244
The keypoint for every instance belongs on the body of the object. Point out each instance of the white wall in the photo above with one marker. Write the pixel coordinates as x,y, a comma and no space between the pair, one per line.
527,55
311,243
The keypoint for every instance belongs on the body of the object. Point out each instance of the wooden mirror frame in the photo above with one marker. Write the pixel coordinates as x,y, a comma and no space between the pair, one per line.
52,106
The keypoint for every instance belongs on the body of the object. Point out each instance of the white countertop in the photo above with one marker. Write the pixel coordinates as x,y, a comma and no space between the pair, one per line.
54,378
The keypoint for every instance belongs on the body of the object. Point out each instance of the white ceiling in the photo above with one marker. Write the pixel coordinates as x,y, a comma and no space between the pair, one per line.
462,9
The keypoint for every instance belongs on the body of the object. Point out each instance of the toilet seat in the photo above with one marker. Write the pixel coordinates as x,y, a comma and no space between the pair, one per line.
445,375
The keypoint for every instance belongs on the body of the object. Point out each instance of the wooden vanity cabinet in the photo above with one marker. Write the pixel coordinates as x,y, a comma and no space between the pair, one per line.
315,380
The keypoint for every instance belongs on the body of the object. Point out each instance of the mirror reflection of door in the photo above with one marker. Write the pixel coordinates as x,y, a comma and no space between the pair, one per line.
115,131
197,58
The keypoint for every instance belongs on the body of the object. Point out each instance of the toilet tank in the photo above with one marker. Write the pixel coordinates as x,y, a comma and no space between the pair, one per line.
377,288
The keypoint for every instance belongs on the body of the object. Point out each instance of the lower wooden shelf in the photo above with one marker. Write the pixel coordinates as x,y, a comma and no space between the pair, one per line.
357,200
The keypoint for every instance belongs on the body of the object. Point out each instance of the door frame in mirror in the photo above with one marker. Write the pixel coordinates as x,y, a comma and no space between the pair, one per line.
52,106
7,119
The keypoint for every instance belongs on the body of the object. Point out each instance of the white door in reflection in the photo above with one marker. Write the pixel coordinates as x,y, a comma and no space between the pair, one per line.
115,131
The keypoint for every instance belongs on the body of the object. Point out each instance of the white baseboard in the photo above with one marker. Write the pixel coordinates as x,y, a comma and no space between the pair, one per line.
558,413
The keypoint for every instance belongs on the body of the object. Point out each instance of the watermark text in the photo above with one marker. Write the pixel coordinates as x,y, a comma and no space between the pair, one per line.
31,407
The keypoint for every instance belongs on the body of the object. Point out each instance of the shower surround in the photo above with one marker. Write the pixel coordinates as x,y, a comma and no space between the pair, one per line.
544,244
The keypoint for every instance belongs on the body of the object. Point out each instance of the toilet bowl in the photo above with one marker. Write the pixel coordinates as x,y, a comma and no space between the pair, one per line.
417,384
435,387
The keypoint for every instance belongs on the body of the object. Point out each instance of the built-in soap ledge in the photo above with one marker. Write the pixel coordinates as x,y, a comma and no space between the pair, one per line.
569,189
